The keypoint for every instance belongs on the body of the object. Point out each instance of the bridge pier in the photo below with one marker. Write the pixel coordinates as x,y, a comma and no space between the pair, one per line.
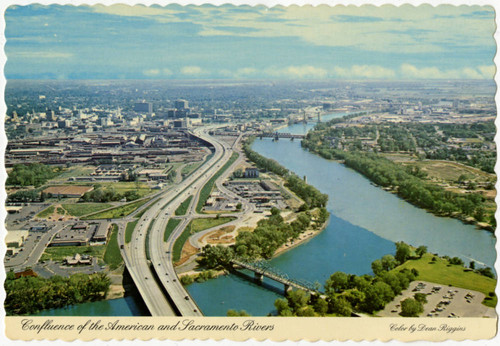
258,277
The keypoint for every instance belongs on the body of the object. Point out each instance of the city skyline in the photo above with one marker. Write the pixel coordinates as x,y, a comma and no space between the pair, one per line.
243,42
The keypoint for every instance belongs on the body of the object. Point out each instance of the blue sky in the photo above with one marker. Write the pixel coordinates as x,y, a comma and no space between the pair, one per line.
206,42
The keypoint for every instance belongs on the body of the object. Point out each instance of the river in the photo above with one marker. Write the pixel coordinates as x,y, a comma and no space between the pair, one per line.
365,222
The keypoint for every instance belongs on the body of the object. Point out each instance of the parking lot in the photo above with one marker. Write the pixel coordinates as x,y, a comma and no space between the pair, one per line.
442,301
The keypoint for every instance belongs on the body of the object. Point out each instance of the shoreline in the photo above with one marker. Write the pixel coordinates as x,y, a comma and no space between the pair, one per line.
308,235
464,219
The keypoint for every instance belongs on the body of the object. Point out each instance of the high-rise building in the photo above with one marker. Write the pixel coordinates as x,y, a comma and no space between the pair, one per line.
181,104
143,107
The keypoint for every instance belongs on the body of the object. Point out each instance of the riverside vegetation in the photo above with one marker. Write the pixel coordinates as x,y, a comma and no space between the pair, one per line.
29,295
406,182
346,294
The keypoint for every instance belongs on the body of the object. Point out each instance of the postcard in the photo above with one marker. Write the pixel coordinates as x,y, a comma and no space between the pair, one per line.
178,171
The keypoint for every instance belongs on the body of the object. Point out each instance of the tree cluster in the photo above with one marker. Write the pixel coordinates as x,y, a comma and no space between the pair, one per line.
268,236
35,174
345,293
102,195
28,295
311,196
408,186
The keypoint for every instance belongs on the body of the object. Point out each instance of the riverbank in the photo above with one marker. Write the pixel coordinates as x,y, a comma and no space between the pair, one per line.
304,237
465,219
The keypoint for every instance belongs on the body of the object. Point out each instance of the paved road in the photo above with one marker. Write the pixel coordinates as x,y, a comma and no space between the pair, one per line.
154,221
33,248
162,252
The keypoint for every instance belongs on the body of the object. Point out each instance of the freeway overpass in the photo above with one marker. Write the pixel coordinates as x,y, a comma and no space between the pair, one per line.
155,274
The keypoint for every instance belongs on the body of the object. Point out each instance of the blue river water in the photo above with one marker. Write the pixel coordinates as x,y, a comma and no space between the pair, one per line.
365,222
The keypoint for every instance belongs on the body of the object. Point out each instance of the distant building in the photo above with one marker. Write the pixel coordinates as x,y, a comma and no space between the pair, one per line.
251,173
143,107
181,123
64,124
15,239
181,104
78,259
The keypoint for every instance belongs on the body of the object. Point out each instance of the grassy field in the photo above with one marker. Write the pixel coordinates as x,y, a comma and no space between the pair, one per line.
197,225
125,186
207,189
80,209
182,209
442,273
58,253
130,230
112,255
202,224
451,171
76,171
189,168
171,225
46,212
117,212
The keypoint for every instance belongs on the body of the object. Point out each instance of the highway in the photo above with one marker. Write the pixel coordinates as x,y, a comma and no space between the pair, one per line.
154,221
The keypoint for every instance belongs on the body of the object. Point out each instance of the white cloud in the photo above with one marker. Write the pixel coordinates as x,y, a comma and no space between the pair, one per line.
151,72
39,55
412,72
245,72
299,72
166,71
488,72
192,70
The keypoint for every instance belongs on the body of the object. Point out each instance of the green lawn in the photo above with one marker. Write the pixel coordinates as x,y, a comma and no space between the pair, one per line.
46,212
58,253
182,209
117,212
190,168
196,225
207,189
80,209
112,255
171,225
124,186
455,275
76,171
130,230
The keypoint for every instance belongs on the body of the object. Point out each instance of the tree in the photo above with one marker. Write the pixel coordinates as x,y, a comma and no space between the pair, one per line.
307,311
402,252
321,306
377,267
472,265
234,313
421,250
420,297
388,262
337,283
297,299
340,306
282,307
411,308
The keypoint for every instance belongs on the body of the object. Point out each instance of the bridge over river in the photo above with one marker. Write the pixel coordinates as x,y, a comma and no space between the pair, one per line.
263,268
278,135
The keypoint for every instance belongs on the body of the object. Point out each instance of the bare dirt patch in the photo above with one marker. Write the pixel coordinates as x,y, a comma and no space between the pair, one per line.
219,236
188,250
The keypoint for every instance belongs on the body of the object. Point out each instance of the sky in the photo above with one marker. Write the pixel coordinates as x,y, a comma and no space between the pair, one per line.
243,42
